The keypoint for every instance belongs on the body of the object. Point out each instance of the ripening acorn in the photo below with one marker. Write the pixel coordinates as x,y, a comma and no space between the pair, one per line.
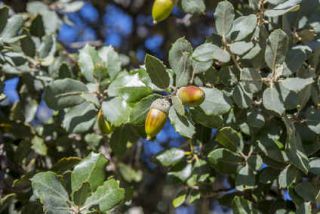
191,95
104,125
161,9
157,117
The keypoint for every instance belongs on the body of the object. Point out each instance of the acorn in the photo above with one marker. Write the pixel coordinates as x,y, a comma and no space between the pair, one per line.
157,117
161,9
104,125
191,95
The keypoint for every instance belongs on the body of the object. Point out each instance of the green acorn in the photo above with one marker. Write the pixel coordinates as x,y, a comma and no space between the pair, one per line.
104,125
161,9
157,117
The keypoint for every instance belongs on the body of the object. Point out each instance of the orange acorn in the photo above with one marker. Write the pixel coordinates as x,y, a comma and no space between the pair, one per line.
191,95
157,117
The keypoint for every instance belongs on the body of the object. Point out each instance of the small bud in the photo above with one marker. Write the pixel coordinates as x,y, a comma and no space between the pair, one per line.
161,9
104,125
191,95
157,117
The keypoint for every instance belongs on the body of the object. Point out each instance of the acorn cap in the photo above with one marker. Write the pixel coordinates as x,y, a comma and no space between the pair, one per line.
161,104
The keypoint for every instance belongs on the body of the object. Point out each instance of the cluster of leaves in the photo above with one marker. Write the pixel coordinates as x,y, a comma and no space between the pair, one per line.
260,74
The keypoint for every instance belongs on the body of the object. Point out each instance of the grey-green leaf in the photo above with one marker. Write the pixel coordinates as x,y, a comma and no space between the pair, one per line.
208,51
230,139
157,72
277,46
225,160
272,100
170,157
80,118
182,124
243,27
90,170
51,193
224,16
107,196
215,103
64,93
179,59
116,111
193,6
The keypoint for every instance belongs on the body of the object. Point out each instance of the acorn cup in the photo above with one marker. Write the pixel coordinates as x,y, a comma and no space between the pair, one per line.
161,9
191,95
157,117
104,125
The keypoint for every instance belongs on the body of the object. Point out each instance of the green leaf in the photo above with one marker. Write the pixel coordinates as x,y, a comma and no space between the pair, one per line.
251,80
230,139
65,164
183,125
50,18
119,140
64,93
269,143
177,105
90,170
134,94
106,197
28,46
241,97
47,49
181,171
295,84
4,15
179,59
111,60
129,86
243,27
240,48
294,148
39,146
225,160
242,206
212,121
193,6
285,7
245,179
315,166
276,50
307,191
179,199
129,174
170,157
140,110
272,100
224,16
288,176
208,51
255,162
37,27
12,29
157,72
255,119
116,111
215,103
88,60
80,118
47,188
